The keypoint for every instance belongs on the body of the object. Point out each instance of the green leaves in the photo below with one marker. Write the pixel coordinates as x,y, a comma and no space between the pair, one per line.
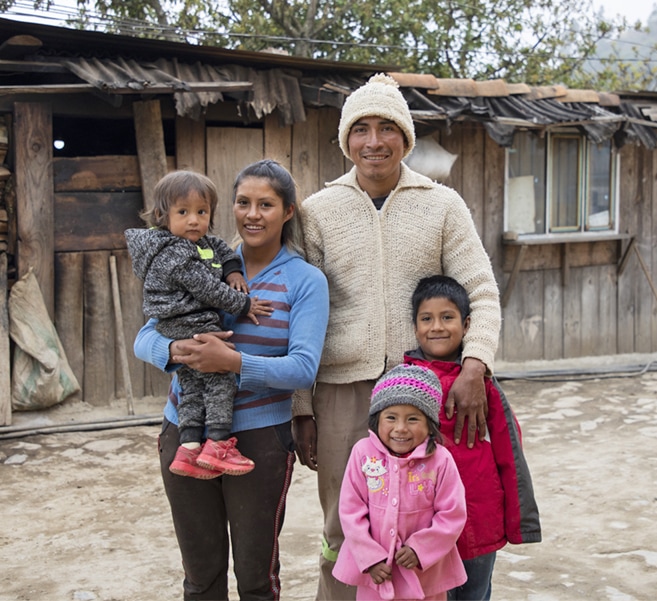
538,42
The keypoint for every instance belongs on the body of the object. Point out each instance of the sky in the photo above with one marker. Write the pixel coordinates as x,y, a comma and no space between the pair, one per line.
630,9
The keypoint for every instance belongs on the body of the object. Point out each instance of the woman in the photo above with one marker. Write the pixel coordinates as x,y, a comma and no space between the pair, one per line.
271,360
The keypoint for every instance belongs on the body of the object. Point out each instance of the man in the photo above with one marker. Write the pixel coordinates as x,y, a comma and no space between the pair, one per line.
375,232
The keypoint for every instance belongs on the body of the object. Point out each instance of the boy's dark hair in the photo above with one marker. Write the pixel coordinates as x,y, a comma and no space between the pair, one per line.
435,437
441,286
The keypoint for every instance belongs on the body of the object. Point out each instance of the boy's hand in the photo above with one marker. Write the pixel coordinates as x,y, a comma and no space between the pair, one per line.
259,307
236,281
380,572
406,558
468,393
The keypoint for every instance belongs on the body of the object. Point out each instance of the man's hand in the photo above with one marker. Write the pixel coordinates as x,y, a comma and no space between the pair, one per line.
304,431
467,398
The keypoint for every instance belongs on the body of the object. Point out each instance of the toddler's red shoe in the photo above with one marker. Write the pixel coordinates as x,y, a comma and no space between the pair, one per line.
223,455
184,464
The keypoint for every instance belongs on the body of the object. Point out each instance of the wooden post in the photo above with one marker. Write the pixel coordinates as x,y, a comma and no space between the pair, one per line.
150,146
120,335
34,196
69,310
130,288
5,363
99,357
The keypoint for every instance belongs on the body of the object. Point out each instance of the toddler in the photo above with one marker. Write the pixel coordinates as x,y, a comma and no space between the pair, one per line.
189,276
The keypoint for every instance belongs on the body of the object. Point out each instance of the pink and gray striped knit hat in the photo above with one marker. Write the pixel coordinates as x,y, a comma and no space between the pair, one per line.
408,385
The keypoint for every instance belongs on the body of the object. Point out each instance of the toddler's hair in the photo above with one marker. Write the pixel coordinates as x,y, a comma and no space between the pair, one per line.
441,286
174,186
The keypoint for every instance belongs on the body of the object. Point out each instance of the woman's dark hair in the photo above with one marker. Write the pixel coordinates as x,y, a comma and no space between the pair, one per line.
435,437
174,186
441,286
283,184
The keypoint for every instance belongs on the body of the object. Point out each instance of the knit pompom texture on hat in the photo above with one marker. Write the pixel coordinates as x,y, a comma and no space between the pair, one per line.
379,97
408,385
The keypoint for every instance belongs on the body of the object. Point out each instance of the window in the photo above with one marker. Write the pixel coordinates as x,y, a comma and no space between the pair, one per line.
560,182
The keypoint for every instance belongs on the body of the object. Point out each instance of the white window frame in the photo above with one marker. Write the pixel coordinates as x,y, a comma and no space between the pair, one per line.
583,200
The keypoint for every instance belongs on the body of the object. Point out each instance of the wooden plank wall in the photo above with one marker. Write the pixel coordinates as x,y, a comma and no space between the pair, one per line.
307,150
645,230
34,187
652,253
5,364
594,312
96,199
228,150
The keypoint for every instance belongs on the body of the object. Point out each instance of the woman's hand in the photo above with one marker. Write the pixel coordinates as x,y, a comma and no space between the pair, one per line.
207,353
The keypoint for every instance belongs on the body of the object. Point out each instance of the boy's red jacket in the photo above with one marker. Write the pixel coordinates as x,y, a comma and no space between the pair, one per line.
498,487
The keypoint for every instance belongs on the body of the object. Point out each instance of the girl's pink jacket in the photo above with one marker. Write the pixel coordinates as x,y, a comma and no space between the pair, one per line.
388,501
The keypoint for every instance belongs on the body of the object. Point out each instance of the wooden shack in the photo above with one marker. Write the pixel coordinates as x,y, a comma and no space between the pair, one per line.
92,121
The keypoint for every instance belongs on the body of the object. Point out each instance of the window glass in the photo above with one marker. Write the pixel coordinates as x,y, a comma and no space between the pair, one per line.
526,185
599,206
564,183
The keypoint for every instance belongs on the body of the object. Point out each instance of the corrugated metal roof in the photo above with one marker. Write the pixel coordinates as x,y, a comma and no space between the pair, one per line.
268,89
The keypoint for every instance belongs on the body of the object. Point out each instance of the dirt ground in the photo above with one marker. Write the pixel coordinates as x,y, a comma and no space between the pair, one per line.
84,516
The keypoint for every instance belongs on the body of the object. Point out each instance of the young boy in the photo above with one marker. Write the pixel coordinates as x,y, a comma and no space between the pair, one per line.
498,488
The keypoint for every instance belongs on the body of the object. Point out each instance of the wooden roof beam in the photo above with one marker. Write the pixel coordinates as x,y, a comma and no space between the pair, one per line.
31,66
72,88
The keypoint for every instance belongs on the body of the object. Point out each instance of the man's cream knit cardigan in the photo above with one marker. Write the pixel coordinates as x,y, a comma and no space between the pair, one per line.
374,259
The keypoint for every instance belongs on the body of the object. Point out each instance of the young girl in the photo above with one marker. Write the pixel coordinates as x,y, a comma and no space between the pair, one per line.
188,277
402,504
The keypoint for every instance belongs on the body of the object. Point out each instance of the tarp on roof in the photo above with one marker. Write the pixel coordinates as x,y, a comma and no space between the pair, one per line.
501,116
635,132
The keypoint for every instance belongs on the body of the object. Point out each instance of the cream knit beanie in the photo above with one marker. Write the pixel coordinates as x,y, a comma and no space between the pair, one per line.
379,97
